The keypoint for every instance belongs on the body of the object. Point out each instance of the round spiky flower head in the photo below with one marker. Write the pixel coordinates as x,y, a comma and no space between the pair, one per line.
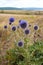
14,28
11,19
27,31
19,21
20,43
35,27
5,26
23,24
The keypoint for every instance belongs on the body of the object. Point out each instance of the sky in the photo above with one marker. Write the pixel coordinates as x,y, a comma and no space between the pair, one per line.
21,3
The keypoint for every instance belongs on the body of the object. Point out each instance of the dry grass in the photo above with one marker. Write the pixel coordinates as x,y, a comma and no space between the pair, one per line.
7,38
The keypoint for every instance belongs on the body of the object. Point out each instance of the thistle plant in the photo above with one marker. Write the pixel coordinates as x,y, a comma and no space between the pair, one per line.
22,53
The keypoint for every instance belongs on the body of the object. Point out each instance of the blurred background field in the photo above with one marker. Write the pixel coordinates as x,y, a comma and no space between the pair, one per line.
25,12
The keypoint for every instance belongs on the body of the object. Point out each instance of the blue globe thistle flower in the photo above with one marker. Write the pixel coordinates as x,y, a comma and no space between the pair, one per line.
35,27
23,24
14,28
27,31
11,19
5,26
20,43
19,21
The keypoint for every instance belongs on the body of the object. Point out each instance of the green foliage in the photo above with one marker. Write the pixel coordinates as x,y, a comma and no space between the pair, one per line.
36,53
33,55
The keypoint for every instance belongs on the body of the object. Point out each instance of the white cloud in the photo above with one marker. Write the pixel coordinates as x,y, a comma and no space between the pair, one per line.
21,3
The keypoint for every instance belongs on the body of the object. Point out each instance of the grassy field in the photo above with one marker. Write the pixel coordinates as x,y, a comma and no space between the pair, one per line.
9,38
25,12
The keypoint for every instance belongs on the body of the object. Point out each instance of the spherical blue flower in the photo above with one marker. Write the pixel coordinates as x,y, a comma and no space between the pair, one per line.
20,43
27,31
19,21
14,28
5,26
11,19
35,27
23,24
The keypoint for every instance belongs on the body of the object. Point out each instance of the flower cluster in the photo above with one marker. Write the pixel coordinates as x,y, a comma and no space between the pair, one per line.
22,53
22,24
